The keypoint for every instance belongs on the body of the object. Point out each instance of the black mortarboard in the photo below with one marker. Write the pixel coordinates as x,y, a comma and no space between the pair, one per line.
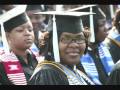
66,21
14,22
35,7
14,17
91,21
88,21
11,19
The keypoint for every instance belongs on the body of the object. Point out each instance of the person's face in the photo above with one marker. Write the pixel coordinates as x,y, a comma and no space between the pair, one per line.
21,37
71,47
102,30
36,19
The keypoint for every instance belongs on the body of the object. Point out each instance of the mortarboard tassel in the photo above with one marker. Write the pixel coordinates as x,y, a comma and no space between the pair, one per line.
92,38
4,40
111,11
81,24
43,7
55,42
59,7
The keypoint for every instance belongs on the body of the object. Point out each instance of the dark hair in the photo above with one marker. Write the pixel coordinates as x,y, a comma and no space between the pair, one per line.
99,15
116,19
47,49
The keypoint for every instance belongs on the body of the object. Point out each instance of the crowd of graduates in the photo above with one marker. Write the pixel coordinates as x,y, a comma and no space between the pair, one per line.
59,45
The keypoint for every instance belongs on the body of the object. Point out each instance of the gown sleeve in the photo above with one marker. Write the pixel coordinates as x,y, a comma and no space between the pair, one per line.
3,77
0,74
114,78
48,75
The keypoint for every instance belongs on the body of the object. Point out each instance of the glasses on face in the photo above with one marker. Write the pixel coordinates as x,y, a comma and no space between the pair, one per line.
77,39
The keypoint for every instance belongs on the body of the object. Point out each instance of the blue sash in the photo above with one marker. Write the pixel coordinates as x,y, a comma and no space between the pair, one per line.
89,65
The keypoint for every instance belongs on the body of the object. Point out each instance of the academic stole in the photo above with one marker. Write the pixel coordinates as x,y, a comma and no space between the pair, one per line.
13,69
90,67
73,78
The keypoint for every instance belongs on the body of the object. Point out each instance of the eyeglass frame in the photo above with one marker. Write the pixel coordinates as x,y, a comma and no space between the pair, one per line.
70,39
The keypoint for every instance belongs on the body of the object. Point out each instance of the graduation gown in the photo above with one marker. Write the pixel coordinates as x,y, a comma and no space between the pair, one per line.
114,78
48,74
94,67
114,50
113,47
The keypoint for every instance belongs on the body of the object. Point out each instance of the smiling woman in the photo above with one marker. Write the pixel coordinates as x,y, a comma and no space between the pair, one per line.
70,42
71,47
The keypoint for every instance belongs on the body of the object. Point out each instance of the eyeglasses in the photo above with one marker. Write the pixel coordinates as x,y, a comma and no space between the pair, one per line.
77,39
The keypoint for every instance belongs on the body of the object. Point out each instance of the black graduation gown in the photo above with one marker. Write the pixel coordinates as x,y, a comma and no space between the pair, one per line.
27,68
114,50
50,75
114,78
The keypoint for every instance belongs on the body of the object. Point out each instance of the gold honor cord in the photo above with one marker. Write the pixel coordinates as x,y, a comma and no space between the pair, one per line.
114,41
45,62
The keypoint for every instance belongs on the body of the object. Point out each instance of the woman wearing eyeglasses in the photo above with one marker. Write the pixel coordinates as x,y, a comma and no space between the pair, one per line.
71,44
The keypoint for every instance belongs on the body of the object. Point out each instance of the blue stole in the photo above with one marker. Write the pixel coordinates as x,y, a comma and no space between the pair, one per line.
89,65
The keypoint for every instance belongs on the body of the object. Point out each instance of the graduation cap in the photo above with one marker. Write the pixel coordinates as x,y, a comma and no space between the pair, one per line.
81,8
10,20
63,21
91,21
59,7
35,7
94,19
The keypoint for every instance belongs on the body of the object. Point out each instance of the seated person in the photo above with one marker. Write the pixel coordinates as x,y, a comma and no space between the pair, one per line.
64,53
17,61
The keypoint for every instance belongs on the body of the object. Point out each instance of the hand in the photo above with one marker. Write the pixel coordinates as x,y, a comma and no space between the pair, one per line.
87,32
43,39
